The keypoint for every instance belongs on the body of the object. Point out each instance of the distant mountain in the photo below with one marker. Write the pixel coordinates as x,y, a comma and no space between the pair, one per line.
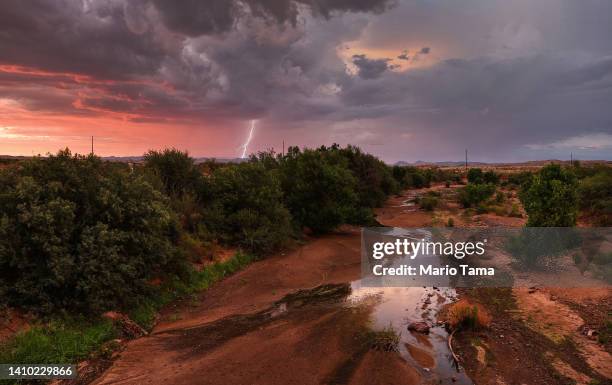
420,163
135,159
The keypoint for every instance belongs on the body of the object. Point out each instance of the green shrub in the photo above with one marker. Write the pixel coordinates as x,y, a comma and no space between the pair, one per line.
474,194
515,212
80,234
429,202
595,196
518,179
500,197
532,245
550,198
175,169
174,172
375,181
490,177
319,188
412,177
59,342
475,176
246,208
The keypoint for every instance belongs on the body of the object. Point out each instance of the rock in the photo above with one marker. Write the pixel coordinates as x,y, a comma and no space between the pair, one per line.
532,289
419,327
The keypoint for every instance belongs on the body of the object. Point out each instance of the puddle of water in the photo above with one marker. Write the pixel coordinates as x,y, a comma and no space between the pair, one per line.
398,307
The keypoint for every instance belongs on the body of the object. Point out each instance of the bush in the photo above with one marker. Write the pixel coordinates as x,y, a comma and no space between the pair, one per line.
411,177
490,177
375,181
174,172
429,202
474,194
319,188
246,207
475,176
518,179
595,196
464,315
532,245
550,198
386,340
175,169
82,235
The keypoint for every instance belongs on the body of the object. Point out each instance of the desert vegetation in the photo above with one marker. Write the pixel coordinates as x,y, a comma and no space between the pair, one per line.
80,236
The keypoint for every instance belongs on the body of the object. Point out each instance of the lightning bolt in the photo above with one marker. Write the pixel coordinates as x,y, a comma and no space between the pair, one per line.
246,144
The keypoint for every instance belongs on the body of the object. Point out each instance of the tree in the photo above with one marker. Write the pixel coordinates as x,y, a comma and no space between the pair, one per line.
319,188
80,234
246,207
550,197
595,196
473,194
475,176
176,170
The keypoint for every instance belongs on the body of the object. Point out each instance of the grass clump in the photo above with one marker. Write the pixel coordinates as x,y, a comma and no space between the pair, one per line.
462,315
66,341
385,340
429,202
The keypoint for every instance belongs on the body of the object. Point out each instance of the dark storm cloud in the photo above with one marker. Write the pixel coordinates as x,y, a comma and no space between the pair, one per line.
195,18
370,68
499,79
72,36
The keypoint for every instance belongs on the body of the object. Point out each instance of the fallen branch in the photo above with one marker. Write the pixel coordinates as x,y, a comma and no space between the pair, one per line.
450,347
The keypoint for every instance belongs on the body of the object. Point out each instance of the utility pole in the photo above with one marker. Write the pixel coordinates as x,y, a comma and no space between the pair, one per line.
571,158
466,161
92,145
283,148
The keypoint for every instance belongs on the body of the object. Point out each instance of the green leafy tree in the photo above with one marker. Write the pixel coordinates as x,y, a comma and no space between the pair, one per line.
176,170
319,188
474,194
595,196
374,178
80,234
246,207
550,197
475,176
183,182
490,177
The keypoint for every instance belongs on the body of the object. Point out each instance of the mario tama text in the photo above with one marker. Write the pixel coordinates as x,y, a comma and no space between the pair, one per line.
423,257
402,248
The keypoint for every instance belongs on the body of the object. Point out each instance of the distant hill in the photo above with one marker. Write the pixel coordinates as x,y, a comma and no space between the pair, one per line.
133,159
530,163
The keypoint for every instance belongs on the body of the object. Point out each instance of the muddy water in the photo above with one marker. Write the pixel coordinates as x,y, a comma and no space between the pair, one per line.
397,307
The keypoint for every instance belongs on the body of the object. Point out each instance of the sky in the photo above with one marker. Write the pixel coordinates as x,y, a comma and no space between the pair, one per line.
402,79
